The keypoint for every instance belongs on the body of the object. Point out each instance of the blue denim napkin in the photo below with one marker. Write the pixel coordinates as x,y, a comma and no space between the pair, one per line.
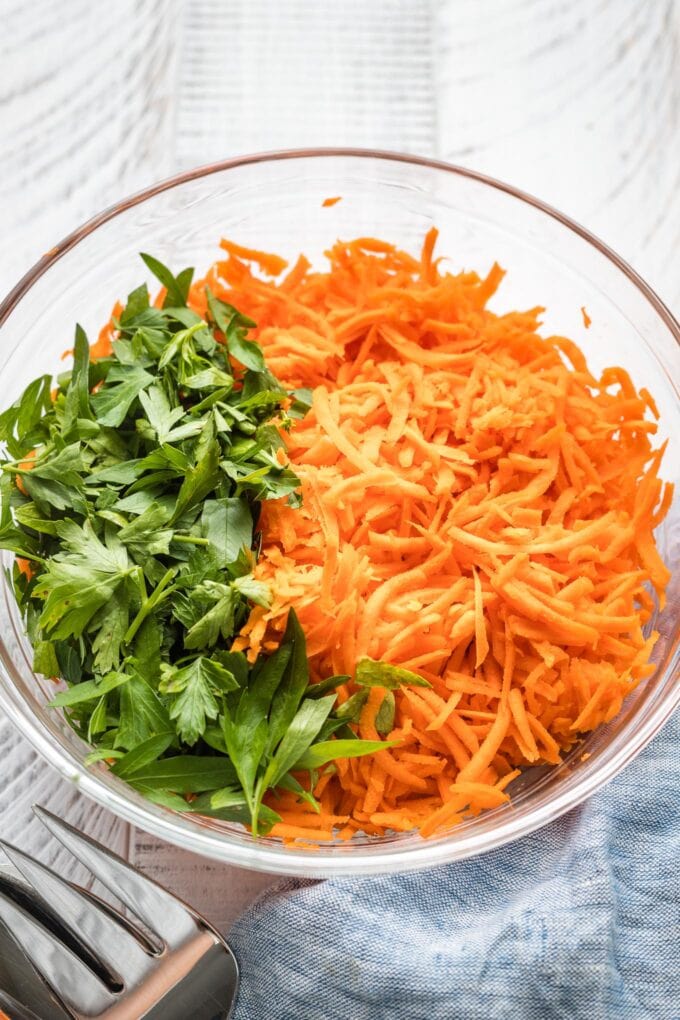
579,920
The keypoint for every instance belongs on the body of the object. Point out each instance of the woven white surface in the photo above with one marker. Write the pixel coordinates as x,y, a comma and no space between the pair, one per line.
578,103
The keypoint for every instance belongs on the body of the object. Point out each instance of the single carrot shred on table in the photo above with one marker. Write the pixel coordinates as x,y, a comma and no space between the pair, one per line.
477,507
331,201
586,318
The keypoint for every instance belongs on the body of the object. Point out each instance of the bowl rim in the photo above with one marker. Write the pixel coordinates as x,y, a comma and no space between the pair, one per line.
276,858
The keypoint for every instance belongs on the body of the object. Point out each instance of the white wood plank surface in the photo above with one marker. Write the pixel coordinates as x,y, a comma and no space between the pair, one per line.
577,102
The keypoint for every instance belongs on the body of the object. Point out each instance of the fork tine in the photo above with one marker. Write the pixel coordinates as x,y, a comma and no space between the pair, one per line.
148,943
73,984
20,980
19,891
118,951
165,915
14,1010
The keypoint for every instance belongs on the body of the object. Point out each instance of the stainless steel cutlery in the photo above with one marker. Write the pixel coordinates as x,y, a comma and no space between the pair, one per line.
75,955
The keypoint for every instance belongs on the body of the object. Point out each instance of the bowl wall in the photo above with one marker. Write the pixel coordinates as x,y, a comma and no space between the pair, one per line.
274,203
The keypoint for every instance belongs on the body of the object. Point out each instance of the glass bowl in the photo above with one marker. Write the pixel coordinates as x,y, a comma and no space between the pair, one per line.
275,202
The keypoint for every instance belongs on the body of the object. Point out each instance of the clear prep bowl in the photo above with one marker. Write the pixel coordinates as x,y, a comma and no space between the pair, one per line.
274,202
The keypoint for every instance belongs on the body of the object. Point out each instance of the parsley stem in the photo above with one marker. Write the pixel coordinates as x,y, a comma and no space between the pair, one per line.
138,575
190,539
160,591
254,805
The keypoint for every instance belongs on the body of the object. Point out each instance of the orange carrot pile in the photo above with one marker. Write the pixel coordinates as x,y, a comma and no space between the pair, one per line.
477,508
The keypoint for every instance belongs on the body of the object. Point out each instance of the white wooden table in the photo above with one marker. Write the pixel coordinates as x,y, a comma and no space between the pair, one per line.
577,102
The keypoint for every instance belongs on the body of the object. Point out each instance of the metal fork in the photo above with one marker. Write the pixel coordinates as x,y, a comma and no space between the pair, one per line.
95,963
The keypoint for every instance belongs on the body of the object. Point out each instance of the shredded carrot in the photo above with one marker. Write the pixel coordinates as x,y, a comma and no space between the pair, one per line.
26,464
300,832
331,201
586,318
273,265
102,348
477,507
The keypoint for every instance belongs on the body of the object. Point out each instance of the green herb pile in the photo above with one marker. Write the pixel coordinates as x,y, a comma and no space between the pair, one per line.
138,515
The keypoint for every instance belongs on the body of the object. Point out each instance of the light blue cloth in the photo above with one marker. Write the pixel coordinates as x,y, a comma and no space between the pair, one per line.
579,920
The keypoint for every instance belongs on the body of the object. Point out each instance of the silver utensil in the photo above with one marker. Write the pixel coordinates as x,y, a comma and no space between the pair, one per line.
19,980
95,963
14,1010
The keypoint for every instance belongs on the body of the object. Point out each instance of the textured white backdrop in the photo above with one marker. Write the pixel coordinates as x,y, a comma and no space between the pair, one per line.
578,102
